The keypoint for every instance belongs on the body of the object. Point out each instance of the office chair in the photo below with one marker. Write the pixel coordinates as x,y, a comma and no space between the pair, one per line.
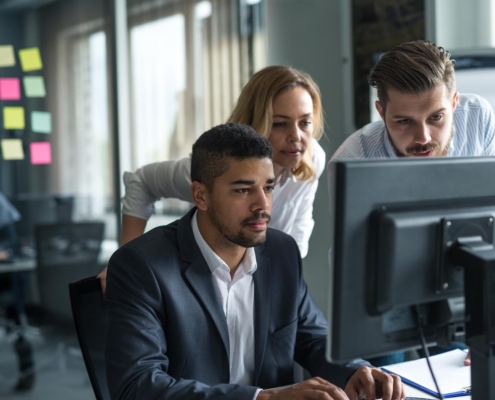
90,320
66,252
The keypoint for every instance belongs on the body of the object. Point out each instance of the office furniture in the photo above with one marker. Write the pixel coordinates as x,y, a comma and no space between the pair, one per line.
66,252
90,320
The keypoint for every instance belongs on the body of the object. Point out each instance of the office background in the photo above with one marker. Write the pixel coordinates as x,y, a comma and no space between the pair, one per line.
133,82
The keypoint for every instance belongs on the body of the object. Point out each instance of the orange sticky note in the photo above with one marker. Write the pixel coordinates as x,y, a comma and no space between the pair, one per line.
30,59
41,153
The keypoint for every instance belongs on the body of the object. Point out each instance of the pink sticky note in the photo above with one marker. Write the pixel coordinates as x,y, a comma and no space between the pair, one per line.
10,89
41,153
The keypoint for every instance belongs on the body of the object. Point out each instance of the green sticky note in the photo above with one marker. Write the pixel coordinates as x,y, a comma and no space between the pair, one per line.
7,58
41,122
30,59
34,86
12,149
13,118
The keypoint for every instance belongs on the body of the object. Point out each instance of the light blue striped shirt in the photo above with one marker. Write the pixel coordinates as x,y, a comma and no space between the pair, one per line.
474,134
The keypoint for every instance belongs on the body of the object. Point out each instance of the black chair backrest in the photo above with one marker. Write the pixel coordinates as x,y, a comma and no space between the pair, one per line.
90,319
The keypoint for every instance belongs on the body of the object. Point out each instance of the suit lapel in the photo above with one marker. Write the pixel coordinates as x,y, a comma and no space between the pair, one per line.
199,277
262,302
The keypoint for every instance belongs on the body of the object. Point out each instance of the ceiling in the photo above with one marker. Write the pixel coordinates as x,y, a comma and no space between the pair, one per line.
22,5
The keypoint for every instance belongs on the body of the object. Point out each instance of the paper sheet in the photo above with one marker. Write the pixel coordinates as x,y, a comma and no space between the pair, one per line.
451,373
41,153
30,59
13,118
41,122
10,89
12,149
7,58
34,86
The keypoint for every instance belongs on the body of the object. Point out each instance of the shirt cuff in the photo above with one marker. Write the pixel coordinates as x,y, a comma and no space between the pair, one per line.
257,393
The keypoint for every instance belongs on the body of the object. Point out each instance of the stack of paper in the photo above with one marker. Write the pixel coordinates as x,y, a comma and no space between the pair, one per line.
453,377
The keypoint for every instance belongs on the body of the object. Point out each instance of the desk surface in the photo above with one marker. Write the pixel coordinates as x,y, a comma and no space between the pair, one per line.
413,392
28,264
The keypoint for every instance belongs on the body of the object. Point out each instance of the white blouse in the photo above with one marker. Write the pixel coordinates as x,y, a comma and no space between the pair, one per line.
292,210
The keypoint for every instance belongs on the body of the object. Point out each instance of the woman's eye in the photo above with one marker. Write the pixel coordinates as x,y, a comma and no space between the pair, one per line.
278,124
306,123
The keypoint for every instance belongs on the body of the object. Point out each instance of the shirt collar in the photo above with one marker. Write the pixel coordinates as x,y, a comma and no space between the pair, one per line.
389,149
248,263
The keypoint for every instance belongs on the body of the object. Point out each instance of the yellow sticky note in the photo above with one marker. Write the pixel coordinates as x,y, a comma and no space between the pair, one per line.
13,118
7,58
30,59
12,149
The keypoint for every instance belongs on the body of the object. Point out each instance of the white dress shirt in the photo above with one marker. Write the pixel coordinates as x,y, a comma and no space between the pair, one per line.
292,210
237,297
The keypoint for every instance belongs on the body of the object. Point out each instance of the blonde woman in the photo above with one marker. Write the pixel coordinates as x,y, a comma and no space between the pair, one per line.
283,104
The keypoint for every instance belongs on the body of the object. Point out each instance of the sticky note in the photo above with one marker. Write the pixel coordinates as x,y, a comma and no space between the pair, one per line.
41,153
34,86
13,118
41,122
10,89
30,59
7,58
12,149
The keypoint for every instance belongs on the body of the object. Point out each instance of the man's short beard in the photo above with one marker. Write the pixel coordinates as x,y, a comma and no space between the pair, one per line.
422,148
240,238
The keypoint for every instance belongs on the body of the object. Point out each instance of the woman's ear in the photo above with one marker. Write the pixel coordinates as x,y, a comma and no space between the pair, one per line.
199,195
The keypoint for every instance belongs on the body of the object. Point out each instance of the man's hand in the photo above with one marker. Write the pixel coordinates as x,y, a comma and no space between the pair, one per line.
103,279
467,361
312,389
373,383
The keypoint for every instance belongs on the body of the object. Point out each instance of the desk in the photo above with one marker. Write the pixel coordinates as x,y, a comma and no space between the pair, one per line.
108,247
413,392
27,264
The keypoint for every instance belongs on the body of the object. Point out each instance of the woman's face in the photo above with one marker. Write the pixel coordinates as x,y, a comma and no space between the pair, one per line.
292,127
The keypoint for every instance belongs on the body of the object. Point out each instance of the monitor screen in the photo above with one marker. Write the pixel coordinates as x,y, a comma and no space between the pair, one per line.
394,223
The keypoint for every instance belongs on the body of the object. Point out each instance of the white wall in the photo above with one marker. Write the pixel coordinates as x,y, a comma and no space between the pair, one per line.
307,35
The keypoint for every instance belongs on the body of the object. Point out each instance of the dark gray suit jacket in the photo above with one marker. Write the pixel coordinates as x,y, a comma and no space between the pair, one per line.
167,335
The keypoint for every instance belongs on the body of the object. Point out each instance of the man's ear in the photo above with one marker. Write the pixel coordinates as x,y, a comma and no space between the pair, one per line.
455,100
200,195
380,109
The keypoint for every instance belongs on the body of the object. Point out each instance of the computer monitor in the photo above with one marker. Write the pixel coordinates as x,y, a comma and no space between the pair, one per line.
401,238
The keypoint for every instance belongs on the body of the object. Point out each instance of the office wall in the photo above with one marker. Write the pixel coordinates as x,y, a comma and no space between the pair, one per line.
308,35
461,24
11,32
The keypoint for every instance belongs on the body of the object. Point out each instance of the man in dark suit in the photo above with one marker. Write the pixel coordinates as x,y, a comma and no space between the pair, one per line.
214,305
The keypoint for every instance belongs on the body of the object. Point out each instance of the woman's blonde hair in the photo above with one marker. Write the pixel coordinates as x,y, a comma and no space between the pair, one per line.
254,107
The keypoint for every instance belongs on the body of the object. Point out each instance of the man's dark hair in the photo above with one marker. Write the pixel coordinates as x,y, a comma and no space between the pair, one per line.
214,148
413,68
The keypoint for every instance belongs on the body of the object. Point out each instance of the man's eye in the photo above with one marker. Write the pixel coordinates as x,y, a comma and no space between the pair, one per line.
241,190
269,189
436,117
404,121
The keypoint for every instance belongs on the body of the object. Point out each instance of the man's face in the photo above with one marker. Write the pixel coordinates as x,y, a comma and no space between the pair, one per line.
420,125
240,202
